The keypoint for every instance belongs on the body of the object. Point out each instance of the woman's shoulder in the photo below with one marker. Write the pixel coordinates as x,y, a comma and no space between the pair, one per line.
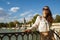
39,17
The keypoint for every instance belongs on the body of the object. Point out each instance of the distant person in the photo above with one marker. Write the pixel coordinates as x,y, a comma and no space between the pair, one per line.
43,24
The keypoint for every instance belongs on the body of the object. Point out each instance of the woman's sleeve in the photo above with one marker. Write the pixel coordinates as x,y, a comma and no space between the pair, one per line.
35,25
48,26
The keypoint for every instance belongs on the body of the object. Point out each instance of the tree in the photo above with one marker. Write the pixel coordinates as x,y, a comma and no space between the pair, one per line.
34,18
11,24
3,25
16,22
57,19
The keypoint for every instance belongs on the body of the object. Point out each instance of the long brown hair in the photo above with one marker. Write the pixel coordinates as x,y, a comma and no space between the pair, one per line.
49,17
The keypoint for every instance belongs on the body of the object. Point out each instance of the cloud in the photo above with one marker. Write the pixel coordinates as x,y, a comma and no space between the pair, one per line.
31,15
14,9
2,19
6,17
26,13
3,13
8,3
21,20
1,8
35,14
28,18
54,15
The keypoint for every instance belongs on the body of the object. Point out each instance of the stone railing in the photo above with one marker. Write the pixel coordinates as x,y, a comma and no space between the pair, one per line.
20,36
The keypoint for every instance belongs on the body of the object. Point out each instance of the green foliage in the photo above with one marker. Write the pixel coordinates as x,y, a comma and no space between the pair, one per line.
3,25
57,19
16,22
34,18
11,24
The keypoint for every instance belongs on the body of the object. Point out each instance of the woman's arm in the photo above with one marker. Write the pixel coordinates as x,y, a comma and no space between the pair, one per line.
35,25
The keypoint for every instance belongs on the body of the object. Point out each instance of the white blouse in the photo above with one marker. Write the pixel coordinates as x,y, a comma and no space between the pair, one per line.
41,24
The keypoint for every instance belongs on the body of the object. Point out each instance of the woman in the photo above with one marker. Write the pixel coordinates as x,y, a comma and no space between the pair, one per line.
43,24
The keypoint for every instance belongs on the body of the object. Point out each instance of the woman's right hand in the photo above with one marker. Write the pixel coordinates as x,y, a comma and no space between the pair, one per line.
28,30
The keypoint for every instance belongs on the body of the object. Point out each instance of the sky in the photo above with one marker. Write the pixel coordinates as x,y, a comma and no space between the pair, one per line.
11,10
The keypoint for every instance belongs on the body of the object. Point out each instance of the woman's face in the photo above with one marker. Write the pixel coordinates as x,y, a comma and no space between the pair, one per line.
45,11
